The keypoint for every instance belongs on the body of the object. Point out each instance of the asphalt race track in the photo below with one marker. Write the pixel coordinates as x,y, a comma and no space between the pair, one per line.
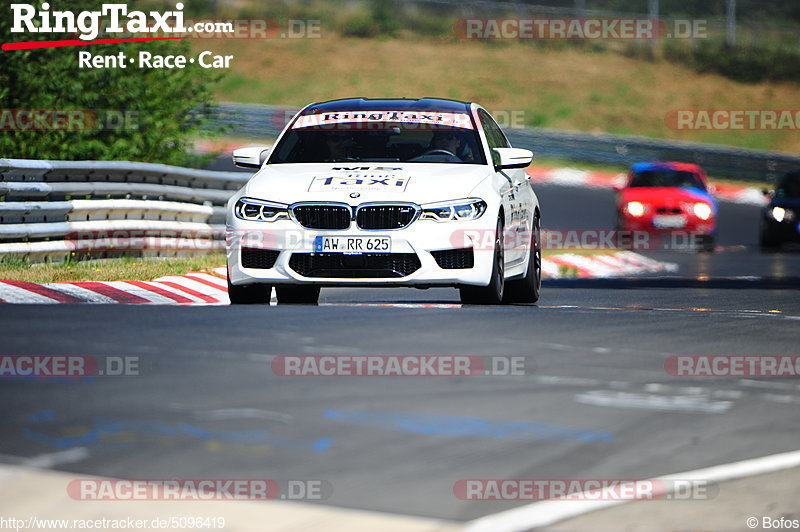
596,401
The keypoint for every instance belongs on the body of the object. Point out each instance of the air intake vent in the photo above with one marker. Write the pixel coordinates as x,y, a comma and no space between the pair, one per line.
454,259
263,259
367,265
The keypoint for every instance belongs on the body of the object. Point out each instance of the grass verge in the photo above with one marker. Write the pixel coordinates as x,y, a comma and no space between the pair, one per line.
125,268
524,84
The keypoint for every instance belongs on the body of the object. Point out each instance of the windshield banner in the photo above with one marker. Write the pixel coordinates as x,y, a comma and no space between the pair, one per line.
422,118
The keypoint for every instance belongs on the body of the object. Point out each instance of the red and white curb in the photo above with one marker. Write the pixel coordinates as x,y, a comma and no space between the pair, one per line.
597,179
616,264
195,288
211,288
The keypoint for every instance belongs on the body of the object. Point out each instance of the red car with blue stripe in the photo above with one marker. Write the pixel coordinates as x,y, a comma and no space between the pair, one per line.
668,197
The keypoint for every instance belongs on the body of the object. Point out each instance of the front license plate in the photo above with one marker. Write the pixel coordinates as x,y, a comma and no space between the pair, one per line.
669,221
353,245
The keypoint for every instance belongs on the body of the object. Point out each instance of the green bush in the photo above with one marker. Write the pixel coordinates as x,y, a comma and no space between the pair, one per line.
746,64
165,107
377,20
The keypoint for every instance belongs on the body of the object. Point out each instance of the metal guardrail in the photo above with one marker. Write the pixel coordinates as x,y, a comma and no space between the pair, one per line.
719,161
50,210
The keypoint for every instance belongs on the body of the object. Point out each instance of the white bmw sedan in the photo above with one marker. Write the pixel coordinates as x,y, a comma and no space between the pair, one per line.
385,192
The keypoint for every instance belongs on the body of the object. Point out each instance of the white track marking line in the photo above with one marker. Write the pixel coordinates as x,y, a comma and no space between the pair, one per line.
41,493
84,294
546,513
242,413
664,403
42,461
15,294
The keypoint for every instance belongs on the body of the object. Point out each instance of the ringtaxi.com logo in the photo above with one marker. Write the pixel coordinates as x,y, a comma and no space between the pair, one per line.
67,366
397,366
115,20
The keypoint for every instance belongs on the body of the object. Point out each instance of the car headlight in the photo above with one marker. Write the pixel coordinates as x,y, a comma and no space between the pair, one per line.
466,209
779,214
254,210
635,208
702,211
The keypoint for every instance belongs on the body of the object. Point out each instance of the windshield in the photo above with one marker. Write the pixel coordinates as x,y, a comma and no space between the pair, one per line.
383,142
666,178
789,186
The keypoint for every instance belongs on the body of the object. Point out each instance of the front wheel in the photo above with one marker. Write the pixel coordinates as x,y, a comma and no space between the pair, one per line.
527,289
707,243
297,294
249,294
768,243
493,293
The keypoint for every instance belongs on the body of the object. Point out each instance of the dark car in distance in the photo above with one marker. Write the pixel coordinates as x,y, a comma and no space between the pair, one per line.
780,219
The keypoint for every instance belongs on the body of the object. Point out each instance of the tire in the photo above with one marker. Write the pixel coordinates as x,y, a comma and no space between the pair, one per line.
493,293
297,294
707,243
250,294
767,243
528,289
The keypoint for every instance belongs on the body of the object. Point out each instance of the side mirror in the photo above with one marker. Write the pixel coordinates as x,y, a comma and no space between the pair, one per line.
250,157
511,158
712,189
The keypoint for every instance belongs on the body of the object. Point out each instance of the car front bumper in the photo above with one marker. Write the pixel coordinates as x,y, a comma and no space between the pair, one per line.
283,240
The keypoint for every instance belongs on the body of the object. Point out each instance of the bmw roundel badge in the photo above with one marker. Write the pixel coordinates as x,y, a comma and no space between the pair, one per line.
354,195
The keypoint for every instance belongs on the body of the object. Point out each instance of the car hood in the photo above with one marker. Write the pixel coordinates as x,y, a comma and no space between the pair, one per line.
355,183
666,196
